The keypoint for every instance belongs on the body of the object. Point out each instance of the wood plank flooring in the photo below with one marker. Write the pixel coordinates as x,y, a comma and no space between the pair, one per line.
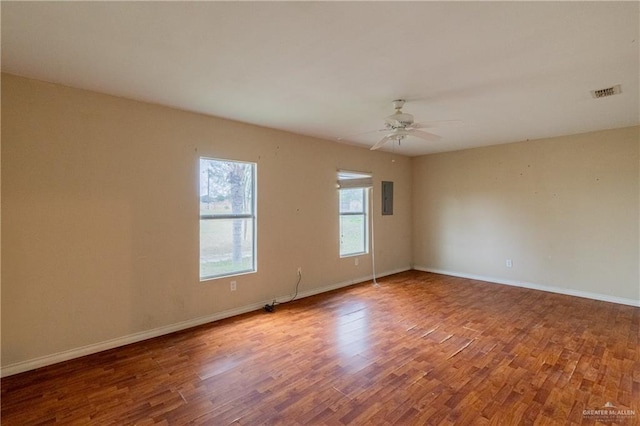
417,349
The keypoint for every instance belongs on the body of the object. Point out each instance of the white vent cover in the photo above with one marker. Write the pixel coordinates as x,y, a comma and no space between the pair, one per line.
609,91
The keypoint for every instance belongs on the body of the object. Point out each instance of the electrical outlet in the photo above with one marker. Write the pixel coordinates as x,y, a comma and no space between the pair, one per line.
509,263
299,270
233,286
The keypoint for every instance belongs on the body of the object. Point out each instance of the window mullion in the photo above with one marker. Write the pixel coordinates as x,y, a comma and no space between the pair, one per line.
226,216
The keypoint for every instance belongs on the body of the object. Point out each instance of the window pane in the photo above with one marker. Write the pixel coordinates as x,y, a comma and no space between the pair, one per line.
352,234
352,200
227,243
226,247
226,187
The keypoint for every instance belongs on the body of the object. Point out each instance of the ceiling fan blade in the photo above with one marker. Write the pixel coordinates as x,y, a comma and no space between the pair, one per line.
381,142
425,135
341,138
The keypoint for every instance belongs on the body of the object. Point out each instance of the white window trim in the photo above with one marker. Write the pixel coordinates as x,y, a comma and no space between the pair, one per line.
348,179
253,215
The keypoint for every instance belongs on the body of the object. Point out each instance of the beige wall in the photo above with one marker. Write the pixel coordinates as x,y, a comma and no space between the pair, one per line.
565,210
100,216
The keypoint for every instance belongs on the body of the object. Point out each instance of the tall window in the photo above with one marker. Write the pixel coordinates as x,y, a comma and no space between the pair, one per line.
354,223
227,218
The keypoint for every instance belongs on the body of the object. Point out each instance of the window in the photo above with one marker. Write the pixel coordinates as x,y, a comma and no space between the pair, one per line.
227,218
354,224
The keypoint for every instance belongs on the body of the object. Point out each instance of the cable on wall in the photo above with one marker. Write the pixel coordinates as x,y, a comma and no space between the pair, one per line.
373,237
271,307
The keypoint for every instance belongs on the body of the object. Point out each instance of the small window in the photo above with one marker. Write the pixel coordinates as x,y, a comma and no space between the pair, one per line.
227,218
353,208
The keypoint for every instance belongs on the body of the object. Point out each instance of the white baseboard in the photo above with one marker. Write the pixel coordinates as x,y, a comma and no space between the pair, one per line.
345,284
551,289
43,361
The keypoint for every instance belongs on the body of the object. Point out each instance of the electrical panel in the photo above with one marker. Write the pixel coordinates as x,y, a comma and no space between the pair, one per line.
387,198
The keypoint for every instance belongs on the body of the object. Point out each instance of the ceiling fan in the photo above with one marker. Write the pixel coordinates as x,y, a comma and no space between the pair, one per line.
399,125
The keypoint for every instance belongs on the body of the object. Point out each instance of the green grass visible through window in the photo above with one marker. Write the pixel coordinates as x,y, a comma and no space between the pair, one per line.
227,217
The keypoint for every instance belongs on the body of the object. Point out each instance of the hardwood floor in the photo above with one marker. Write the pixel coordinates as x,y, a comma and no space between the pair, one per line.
418,348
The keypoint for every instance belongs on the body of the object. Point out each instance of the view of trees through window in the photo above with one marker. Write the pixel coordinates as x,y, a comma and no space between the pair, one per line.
353,221
227,217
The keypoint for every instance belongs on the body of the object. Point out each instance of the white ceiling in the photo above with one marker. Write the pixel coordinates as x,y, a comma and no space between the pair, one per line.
509,71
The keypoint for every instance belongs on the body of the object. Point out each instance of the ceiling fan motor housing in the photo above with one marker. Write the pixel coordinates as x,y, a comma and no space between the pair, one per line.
398,103
399,119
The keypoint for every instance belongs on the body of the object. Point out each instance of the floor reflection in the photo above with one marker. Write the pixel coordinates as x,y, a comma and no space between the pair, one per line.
352,332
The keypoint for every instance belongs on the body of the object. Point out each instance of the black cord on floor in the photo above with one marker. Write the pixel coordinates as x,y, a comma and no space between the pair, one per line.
272,307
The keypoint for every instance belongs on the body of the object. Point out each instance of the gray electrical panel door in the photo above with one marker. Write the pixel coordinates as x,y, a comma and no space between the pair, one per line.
387,198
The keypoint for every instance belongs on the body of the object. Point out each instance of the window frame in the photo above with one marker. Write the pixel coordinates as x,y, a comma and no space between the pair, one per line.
364,213
348,180
252,215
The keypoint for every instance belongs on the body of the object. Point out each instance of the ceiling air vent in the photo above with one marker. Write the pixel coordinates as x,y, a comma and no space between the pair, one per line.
609,91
